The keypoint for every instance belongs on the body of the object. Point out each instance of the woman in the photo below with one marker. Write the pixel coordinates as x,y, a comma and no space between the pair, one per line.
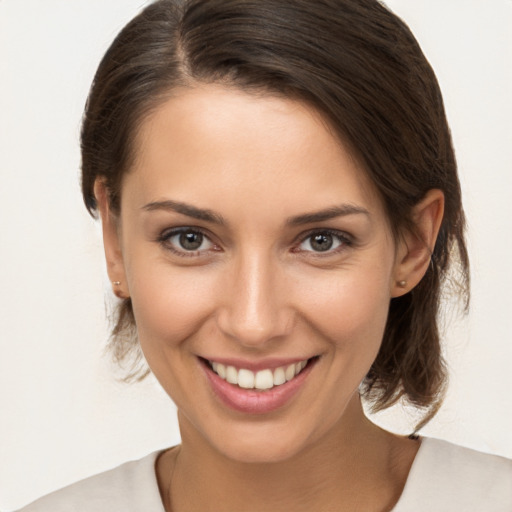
280,208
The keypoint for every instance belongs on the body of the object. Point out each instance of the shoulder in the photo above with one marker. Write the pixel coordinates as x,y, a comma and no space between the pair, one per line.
447,477
129,487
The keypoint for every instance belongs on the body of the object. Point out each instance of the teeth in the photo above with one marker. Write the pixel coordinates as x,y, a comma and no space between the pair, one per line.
232,375
221,370
279,376
290,372
262,380
245,379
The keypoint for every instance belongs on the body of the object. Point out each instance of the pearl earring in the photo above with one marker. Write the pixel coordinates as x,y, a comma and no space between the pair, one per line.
402,284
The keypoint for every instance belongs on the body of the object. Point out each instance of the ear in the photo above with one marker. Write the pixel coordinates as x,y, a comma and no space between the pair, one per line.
111,241
416,246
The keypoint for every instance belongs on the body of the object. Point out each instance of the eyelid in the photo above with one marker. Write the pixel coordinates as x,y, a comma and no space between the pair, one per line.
345,238
164,237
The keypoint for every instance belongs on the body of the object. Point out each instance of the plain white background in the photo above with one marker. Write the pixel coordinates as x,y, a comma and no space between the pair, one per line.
63,415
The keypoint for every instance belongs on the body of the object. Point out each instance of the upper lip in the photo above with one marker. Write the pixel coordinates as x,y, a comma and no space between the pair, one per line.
256,365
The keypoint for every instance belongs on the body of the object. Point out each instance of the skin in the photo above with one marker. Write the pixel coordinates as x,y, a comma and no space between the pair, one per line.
257,288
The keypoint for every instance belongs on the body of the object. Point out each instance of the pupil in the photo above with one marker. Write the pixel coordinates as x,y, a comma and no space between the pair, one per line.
191,241
322,242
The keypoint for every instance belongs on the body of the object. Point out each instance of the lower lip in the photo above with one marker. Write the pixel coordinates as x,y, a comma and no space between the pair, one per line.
252,401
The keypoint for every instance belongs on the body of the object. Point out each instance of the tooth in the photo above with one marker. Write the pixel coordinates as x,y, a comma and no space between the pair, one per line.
303,364
221,370
245,379
264,380
298,368
215,366
290,372
279,376
232,375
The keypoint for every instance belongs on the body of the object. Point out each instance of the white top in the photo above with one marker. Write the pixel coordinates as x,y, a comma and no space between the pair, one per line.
443,478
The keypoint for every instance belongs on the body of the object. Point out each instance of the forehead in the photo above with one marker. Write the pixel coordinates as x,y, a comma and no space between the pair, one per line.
226,147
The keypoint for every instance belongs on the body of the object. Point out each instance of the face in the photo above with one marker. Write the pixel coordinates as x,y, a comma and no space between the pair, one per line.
260,265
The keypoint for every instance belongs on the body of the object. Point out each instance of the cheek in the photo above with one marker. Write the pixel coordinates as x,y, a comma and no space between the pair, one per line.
169,303
350,309
351,316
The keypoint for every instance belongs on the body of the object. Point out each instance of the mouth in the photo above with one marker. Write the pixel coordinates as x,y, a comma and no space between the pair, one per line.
261,380
260,390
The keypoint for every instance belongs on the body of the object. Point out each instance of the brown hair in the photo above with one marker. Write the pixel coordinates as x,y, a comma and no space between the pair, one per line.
356,63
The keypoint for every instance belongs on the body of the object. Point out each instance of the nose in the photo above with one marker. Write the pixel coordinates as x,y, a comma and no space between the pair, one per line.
255,309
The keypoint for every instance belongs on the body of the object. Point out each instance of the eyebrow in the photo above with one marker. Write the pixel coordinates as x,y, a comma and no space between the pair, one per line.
215,218
185,209
327,214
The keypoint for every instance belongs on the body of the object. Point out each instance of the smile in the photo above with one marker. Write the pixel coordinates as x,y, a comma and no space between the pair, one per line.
267,387
262,380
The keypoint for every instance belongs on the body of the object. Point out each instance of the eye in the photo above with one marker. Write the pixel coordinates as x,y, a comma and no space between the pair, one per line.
186,241
324,242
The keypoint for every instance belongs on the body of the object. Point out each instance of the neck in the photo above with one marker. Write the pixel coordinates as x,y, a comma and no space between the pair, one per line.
356,466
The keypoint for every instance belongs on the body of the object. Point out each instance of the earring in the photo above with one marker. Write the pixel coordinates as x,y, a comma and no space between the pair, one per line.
116,283
402,284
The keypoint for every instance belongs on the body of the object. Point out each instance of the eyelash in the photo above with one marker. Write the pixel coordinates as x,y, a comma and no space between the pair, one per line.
343,238
166,236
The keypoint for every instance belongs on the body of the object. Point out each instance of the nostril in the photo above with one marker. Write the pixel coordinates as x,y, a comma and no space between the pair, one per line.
253,329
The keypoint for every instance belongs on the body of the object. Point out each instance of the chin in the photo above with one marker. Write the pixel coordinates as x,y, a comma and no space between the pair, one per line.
262,442
264,451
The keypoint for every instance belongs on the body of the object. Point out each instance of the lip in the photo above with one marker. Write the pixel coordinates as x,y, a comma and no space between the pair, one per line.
251,401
